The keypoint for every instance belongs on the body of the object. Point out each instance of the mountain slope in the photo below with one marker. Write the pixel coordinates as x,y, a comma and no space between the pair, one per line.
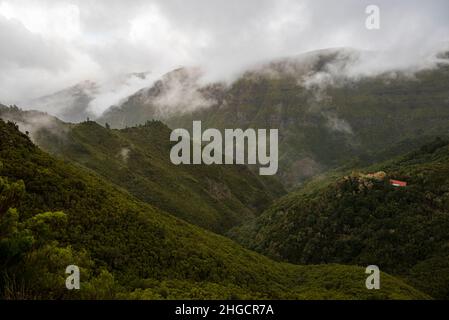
326,116
178,91
137,159
362,219
128,249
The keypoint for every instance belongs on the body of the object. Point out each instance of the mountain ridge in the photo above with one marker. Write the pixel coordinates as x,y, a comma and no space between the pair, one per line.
137,159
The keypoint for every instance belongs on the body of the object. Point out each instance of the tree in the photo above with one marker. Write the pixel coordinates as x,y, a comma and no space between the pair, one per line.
10,194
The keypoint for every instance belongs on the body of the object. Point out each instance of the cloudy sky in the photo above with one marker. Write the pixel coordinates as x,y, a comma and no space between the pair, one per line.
47,45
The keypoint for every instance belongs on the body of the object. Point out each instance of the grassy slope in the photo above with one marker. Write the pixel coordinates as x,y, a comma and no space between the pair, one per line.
151,254
404,231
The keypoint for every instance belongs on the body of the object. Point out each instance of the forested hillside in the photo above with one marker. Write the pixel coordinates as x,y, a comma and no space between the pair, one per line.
362,219
137,159
326,118
53,214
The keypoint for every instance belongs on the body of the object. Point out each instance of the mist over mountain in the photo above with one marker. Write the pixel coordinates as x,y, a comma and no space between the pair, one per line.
329,107
134,98
89,98
74,41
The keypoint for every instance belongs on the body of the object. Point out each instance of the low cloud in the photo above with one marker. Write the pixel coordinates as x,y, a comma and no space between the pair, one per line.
32,123
124,154
334,123
112,91
50,45
180,92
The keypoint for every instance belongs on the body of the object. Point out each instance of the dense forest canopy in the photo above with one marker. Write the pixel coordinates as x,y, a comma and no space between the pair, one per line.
363,219
54,214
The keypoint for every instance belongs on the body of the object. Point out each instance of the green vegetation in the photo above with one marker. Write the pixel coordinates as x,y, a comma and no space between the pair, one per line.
326,127
54,214
110,201
361,220
321,126
137,159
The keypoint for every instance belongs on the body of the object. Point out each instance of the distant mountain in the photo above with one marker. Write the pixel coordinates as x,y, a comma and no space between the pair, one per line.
328,111
177,92
71,104
137,159
77,103
363,219
54,214
183,90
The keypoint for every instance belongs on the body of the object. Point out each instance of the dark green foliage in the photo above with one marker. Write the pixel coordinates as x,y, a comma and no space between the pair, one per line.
10,193
128,249
137,159
362,221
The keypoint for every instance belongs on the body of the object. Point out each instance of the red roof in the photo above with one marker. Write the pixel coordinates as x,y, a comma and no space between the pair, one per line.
398,183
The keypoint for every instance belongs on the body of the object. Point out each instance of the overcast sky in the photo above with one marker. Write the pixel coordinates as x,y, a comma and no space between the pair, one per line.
47,45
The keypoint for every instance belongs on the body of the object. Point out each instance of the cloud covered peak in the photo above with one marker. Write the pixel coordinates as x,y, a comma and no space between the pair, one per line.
50,45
